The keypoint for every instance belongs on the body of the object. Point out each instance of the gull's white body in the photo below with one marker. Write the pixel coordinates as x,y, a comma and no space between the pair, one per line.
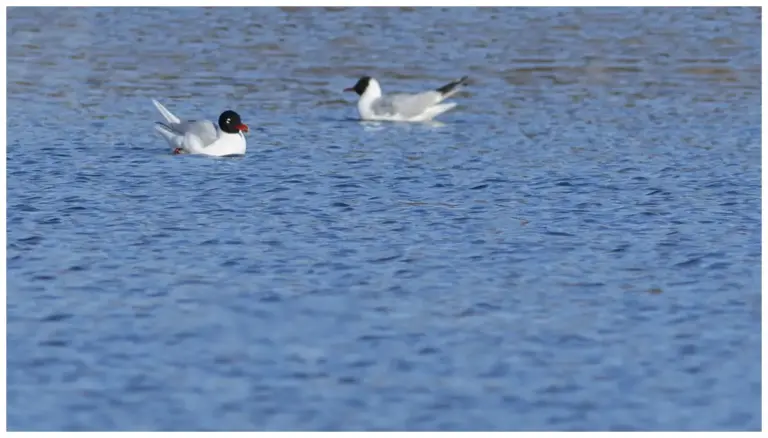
201,137
401,107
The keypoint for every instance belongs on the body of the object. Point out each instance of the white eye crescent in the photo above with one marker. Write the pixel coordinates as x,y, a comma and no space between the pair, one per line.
229,120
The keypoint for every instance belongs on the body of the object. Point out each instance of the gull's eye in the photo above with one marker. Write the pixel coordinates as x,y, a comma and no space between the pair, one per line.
229,120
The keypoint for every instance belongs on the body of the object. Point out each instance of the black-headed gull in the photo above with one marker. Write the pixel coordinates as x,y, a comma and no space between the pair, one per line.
202,136
402,107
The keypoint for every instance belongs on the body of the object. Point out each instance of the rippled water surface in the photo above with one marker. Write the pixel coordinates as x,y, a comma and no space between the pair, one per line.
576,247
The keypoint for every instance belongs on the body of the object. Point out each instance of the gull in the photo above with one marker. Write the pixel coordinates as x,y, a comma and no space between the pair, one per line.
401,107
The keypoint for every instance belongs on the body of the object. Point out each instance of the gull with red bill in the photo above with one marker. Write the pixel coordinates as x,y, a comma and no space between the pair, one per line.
202,137
401,107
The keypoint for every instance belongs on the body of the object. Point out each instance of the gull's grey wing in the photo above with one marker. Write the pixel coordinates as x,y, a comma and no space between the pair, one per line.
406,105
410,105
205,130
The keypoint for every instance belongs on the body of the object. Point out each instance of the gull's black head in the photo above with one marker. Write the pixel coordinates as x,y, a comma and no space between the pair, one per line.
360,86
229,121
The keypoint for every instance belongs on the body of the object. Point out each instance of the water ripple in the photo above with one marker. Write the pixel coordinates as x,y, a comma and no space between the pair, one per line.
575,247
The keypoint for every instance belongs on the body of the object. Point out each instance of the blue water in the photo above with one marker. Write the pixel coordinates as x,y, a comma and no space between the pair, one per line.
576,247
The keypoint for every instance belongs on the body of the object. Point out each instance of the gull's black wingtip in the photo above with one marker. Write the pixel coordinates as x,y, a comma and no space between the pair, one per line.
447,88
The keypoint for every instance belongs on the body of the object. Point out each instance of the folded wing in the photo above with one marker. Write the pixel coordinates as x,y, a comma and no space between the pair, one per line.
412,105
405,105
189,133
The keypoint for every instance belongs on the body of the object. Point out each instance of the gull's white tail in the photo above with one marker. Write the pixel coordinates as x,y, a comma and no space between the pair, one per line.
433,111
173,138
